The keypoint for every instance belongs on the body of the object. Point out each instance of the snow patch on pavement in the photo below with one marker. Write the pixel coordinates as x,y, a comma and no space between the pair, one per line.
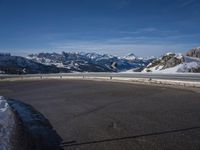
7,123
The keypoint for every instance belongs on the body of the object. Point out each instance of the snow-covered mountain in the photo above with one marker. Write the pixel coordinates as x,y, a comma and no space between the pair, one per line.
130,57
89,62
93,62
173,63
20,65
195,52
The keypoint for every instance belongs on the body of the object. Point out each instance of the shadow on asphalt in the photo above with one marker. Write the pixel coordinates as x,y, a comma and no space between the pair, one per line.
73,143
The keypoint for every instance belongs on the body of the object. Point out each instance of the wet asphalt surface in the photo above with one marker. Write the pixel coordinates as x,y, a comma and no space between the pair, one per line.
100,115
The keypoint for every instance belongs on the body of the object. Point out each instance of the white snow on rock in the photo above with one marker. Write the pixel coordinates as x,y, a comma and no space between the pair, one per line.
130,57
6,124
155,69
179,56
184,67
177,61
188,64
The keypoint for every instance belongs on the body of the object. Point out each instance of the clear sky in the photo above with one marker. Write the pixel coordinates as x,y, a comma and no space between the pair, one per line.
143,27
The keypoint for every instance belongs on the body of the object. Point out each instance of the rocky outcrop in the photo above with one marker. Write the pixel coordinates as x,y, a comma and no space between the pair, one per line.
194,52
167,61
172,62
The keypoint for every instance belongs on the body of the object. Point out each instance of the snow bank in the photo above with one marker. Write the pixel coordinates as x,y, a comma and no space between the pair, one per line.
6,124
35,131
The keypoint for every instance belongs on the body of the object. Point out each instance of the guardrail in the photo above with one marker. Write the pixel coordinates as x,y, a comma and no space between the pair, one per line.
185,79
176,76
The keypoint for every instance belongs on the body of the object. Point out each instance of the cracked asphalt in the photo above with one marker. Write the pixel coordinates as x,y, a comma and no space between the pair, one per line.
101,115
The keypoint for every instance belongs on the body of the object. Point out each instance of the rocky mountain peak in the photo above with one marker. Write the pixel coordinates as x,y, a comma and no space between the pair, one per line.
130,56
195,52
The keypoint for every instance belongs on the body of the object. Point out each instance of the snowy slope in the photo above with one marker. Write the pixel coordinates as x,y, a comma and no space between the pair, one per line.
173,63
6,124
184,67
20,65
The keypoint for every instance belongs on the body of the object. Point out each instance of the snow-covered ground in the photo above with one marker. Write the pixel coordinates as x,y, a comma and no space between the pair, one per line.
190,63
184,67
7,123
2,72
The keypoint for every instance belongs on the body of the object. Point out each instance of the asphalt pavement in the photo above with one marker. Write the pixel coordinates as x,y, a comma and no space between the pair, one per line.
101,115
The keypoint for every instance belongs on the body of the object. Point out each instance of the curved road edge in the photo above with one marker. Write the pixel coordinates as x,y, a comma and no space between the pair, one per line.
178,79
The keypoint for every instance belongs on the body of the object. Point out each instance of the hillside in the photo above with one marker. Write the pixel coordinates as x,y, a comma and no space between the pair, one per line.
20,65
172,63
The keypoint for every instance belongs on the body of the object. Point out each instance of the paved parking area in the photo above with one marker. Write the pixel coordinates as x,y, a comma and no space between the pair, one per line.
114,116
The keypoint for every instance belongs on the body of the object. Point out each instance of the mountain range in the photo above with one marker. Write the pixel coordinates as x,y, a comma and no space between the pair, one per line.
67,62
90,62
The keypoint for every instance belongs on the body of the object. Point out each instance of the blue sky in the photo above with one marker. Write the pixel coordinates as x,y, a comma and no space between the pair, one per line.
119,27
